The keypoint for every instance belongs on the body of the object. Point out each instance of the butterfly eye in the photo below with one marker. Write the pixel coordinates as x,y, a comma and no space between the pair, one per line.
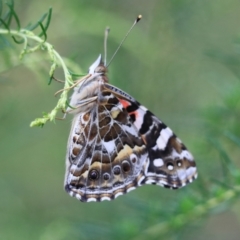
93,175
106,176
116,170
100,69
126,166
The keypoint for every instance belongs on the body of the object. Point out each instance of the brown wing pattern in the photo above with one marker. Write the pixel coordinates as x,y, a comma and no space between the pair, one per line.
106,156
116,144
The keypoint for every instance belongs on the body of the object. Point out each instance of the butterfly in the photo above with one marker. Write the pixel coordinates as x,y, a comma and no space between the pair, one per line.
116,144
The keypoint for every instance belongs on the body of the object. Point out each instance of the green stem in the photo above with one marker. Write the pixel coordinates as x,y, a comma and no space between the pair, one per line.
55,58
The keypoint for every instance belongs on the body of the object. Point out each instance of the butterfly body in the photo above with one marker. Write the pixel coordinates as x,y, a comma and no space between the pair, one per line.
116,144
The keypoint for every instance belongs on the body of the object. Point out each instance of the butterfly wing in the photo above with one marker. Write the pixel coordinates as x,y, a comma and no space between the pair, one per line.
116,144
106,156
170,163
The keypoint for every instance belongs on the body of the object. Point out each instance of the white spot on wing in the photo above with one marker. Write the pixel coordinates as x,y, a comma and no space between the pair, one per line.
130,189
110,145
72,178
150,181
105,198
162,140
170,167
191,171
91,200
78,196
181,174
118,194
139,120
158,162
140,180
143,108
184,154
161,183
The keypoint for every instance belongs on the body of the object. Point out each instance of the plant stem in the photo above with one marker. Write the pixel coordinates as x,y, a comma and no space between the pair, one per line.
55,58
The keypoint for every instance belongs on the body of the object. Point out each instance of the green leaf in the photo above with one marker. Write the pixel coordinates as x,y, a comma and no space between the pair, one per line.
5,24
10,13
11,7
50,80
69,105
48,22
31,28
18,41
5,17
43,31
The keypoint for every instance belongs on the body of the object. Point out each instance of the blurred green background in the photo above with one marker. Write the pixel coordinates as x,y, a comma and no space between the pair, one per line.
181,61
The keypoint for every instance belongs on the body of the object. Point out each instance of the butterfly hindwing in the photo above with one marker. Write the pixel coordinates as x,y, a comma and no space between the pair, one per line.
106,154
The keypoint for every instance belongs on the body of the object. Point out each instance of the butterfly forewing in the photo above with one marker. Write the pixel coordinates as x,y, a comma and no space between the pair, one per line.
116,144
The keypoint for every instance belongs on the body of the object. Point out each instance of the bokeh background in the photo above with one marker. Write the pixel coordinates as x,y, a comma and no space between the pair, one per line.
182,61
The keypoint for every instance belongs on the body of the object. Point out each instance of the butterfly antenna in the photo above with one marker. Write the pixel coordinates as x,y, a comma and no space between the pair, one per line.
107,30
135,22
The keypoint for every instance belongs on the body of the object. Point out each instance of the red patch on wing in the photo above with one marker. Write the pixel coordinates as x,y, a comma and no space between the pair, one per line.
124,103
135,113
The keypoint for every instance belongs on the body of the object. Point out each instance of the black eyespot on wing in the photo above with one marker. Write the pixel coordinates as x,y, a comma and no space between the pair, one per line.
93,175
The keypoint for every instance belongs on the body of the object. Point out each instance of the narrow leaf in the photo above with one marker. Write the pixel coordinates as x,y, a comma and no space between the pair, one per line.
6,16
69,105
10,12
43,31
31,28
18,41
14,15
50,80
48,21
5,24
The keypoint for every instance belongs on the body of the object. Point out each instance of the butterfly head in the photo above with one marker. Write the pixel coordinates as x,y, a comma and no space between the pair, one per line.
98,66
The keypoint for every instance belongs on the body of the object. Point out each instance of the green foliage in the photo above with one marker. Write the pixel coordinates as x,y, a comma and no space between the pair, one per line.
33,204
31,43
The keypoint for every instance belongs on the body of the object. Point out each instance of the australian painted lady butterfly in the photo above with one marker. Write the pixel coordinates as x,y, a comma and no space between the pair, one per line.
116,144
